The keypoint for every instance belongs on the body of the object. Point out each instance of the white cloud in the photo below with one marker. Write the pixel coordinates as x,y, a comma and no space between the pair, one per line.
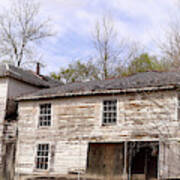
148,18
151,16
140,20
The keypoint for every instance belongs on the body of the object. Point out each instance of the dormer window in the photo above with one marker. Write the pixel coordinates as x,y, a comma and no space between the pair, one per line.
109,112
45,115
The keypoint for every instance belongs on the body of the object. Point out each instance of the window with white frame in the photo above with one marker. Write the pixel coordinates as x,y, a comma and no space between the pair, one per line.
109,112
42,156
45,115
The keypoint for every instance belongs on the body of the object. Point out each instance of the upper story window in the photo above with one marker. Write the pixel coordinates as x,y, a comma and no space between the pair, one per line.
45,115
42,156
109,112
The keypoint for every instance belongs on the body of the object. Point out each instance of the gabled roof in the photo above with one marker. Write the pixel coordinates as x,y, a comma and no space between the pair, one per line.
138,82
7,70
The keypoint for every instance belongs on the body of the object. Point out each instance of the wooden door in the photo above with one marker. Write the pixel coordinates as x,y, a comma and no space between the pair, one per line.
106,159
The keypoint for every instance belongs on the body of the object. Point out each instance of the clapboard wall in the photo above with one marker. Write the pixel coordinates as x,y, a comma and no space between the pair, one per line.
76,121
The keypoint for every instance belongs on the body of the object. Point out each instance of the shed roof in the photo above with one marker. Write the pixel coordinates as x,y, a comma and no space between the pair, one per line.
134,83
7,70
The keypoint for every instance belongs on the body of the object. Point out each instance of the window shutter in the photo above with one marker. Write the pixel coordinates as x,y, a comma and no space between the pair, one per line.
52,157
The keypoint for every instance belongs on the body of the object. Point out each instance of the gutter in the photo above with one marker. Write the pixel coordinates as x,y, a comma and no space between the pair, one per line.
96,92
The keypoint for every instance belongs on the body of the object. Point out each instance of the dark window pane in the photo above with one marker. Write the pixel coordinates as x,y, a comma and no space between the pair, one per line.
42,156
109,111
45,115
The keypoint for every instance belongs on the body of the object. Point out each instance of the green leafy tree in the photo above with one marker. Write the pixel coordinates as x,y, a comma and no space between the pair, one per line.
145,63
55,76
77,72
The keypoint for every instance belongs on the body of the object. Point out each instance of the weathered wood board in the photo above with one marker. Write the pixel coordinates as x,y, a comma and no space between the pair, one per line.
77,121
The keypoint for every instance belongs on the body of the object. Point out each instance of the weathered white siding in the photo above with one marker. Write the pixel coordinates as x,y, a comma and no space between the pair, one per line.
17,88
3,98
169,159
77,121
9,89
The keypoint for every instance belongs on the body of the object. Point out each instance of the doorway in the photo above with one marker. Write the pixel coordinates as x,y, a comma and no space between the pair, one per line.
143,160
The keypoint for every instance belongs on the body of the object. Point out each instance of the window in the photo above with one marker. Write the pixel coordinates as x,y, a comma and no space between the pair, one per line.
42,156
109,112
45,115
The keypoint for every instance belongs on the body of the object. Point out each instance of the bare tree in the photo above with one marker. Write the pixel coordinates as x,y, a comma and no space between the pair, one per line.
107,46
113,53
21,27
132,51
170,45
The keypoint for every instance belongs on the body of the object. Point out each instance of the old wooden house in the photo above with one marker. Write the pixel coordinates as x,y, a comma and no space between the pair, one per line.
126,128
14,82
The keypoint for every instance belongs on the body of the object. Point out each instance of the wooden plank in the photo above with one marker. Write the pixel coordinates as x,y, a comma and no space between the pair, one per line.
106,159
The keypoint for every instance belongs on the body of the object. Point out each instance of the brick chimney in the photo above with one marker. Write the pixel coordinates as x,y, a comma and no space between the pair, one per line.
38,68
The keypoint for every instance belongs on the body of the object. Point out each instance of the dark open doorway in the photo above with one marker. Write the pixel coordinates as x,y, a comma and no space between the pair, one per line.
143,160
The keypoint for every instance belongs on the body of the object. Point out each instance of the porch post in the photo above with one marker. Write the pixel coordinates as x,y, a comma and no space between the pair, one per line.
125,161
159,159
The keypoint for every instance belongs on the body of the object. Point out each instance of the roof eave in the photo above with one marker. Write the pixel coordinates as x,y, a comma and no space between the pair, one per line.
8,75
97,92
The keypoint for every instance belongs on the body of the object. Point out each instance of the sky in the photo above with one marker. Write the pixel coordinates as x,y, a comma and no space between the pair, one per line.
73,21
